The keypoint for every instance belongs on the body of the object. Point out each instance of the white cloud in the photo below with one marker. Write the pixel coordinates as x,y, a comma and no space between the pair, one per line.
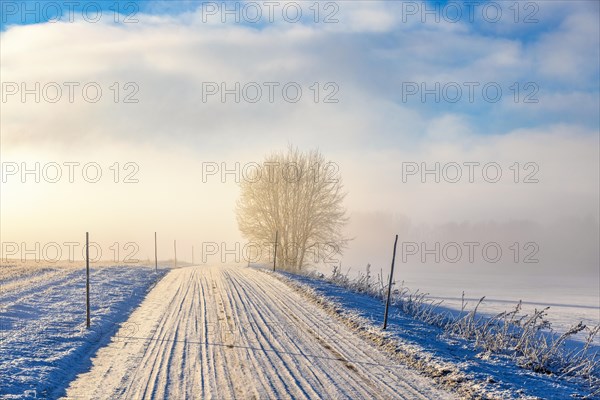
369,132
570,54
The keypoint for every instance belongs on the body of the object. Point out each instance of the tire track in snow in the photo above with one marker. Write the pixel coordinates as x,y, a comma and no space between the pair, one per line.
337,341
225,333
339,349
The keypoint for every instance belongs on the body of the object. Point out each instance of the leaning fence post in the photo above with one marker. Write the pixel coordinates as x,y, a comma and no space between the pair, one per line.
87,279
275,254
389,293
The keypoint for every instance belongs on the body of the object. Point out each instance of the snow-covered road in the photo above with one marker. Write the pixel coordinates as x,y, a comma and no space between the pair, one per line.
224,333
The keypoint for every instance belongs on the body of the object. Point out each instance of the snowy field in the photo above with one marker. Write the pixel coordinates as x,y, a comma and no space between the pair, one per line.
570,299
43,339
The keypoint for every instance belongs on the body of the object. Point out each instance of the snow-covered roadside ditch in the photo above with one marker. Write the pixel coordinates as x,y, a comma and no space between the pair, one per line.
43,339
452,362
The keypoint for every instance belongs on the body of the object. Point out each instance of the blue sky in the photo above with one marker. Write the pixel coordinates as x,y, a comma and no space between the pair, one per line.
384,56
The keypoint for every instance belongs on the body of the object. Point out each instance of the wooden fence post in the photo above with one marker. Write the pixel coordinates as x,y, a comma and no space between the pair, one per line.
155,255
275,254
389,293
87,279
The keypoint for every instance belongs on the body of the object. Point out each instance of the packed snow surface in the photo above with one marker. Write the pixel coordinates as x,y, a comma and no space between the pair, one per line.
224,333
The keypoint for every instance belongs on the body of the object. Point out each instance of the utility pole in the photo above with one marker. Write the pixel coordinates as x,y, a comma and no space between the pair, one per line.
175,251
192,255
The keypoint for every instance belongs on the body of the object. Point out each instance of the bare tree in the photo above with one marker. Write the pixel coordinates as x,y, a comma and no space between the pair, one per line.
300,196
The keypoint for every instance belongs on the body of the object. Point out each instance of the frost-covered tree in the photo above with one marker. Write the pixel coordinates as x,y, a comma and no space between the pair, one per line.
300,196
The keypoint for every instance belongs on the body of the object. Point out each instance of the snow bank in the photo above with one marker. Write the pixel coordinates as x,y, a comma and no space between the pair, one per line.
44,343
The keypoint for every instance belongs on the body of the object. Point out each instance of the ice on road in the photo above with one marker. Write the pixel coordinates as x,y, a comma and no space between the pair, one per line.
225,333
